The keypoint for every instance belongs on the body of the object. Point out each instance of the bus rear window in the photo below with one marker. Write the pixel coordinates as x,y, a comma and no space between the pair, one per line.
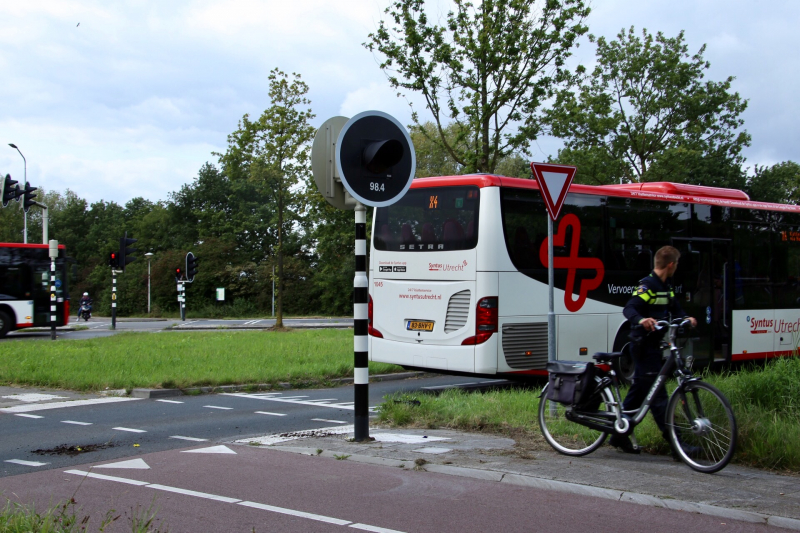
435,219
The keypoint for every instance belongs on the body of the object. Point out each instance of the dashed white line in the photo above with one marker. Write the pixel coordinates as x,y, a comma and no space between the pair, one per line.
331,421
28,416
195,439
25,463
226,499
169,401
57,405
76,422
218,407
268,413
131,430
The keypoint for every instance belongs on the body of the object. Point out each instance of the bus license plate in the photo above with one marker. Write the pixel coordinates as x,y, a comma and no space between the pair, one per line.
419,325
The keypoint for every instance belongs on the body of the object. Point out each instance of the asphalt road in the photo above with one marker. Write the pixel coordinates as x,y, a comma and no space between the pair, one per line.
101,326
117,428
210,483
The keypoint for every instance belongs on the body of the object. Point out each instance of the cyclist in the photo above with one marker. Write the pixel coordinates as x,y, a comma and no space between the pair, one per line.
653,300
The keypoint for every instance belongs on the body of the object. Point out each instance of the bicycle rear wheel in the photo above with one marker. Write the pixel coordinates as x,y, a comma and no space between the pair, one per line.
701,426
565,436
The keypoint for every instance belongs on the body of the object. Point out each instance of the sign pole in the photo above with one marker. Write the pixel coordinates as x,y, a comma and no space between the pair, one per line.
360,324
113,299
551,314
53,304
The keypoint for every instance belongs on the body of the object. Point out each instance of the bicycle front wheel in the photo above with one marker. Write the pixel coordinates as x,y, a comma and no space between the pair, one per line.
565,436
701,425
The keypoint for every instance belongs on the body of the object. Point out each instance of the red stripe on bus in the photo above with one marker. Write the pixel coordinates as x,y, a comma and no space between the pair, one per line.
21,245
660,191
527,372
760,355
25,325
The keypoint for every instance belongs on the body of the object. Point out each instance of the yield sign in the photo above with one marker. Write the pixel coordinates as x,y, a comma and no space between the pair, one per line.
554,182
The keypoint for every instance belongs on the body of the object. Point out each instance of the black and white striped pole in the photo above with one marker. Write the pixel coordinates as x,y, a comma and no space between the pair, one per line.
53,298
113,299
367,160
360,323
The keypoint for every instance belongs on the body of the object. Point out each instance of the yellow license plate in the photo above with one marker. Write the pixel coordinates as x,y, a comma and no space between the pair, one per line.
419,325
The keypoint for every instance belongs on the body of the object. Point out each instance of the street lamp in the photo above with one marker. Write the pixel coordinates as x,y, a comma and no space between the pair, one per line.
25,215
148,255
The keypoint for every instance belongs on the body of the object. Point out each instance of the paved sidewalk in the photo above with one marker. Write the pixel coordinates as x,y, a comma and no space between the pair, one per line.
736,493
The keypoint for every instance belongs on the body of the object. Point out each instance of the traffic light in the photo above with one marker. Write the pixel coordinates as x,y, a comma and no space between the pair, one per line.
9,190
191,266
178,275
125,252
112,260
28,197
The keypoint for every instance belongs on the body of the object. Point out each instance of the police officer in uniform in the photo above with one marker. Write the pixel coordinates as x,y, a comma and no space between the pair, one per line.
653,300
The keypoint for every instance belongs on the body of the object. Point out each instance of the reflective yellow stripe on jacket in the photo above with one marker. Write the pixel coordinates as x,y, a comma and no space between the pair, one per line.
656,298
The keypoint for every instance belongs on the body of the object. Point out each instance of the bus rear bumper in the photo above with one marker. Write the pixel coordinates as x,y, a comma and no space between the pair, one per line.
435,357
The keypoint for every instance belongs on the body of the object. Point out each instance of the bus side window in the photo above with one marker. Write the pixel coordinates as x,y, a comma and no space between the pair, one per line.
522,248
387,237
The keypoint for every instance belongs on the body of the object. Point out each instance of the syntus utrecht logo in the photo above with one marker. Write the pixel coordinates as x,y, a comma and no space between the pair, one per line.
573,263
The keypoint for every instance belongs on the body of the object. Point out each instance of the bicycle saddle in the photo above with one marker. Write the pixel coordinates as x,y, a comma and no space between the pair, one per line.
605,357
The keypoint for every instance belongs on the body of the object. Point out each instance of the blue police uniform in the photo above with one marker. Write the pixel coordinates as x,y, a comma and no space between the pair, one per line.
656,299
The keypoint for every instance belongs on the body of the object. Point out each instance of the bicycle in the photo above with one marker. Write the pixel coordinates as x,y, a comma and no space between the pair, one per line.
699,419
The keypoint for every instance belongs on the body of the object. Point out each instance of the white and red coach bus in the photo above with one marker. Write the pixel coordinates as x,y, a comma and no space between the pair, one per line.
25,289
458,277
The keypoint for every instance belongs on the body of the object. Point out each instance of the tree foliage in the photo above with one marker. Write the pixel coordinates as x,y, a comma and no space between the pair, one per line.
645,113
779,183
483,73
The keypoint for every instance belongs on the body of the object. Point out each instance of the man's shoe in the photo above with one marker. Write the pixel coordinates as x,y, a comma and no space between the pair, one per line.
624,444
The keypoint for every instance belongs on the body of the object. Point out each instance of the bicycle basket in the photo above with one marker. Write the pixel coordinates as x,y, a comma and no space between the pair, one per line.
570,381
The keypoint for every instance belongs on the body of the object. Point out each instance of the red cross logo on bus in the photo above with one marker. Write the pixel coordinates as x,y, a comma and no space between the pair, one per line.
573,263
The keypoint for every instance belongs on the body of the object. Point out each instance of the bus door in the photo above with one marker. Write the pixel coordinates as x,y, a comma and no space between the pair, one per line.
702,284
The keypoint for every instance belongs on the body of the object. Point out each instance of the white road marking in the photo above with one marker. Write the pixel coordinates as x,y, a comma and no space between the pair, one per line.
195,493
104,325
76,422
268,413
374,529
131,430
57,405
25,463
213,449
137,464
33,397
292,512
188,438
107,478
331,421
218,407
169,401
28,416
296,400
226,499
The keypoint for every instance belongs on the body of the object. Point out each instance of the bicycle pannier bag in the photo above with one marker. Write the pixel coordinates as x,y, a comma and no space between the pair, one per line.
569,381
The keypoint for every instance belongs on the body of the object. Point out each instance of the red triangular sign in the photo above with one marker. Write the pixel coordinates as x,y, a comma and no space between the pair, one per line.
554,182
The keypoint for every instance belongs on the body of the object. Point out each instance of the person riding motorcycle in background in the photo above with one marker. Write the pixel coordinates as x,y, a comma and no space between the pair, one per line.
85,300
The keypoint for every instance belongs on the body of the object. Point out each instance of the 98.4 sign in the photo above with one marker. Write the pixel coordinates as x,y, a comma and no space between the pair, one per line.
375,158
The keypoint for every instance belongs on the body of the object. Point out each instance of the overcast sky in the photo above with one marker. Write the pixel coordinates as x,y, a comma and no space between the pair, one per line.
121,99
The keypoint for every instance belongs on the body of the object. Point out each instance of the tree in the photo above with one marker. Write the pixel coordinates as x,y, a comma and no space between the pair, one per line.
779,183
486,70
273,152
645,114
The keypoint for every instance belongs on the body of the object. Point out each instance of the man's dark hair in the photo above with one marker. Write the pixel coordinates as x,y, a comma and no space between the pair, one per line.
666,255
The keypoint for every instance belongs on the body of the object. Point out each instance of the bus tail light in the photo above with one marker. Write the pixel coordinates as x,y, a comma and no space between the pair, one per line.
372,331
485,320
66,312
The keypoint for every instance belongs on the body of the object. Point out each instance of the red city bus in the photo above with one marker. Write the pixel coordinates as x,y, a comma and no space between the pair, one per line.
25,297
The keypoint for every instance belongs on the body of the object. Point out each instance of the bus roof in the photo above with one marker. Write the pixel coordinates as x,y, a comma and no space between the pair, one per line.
663,191
21,245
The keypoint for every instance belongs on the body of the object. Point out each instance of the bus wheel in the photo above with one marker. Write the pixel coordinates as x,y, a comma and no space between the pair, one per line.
5,324
624,365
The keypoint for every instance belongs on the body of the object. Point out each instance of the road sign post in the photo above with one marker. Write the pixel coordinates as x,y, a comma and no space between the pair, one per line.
554,182
367,160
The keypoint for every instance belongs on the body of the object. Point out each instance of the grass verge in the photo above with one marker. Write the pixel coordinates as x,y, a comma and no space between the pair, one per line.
765,400
180,360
